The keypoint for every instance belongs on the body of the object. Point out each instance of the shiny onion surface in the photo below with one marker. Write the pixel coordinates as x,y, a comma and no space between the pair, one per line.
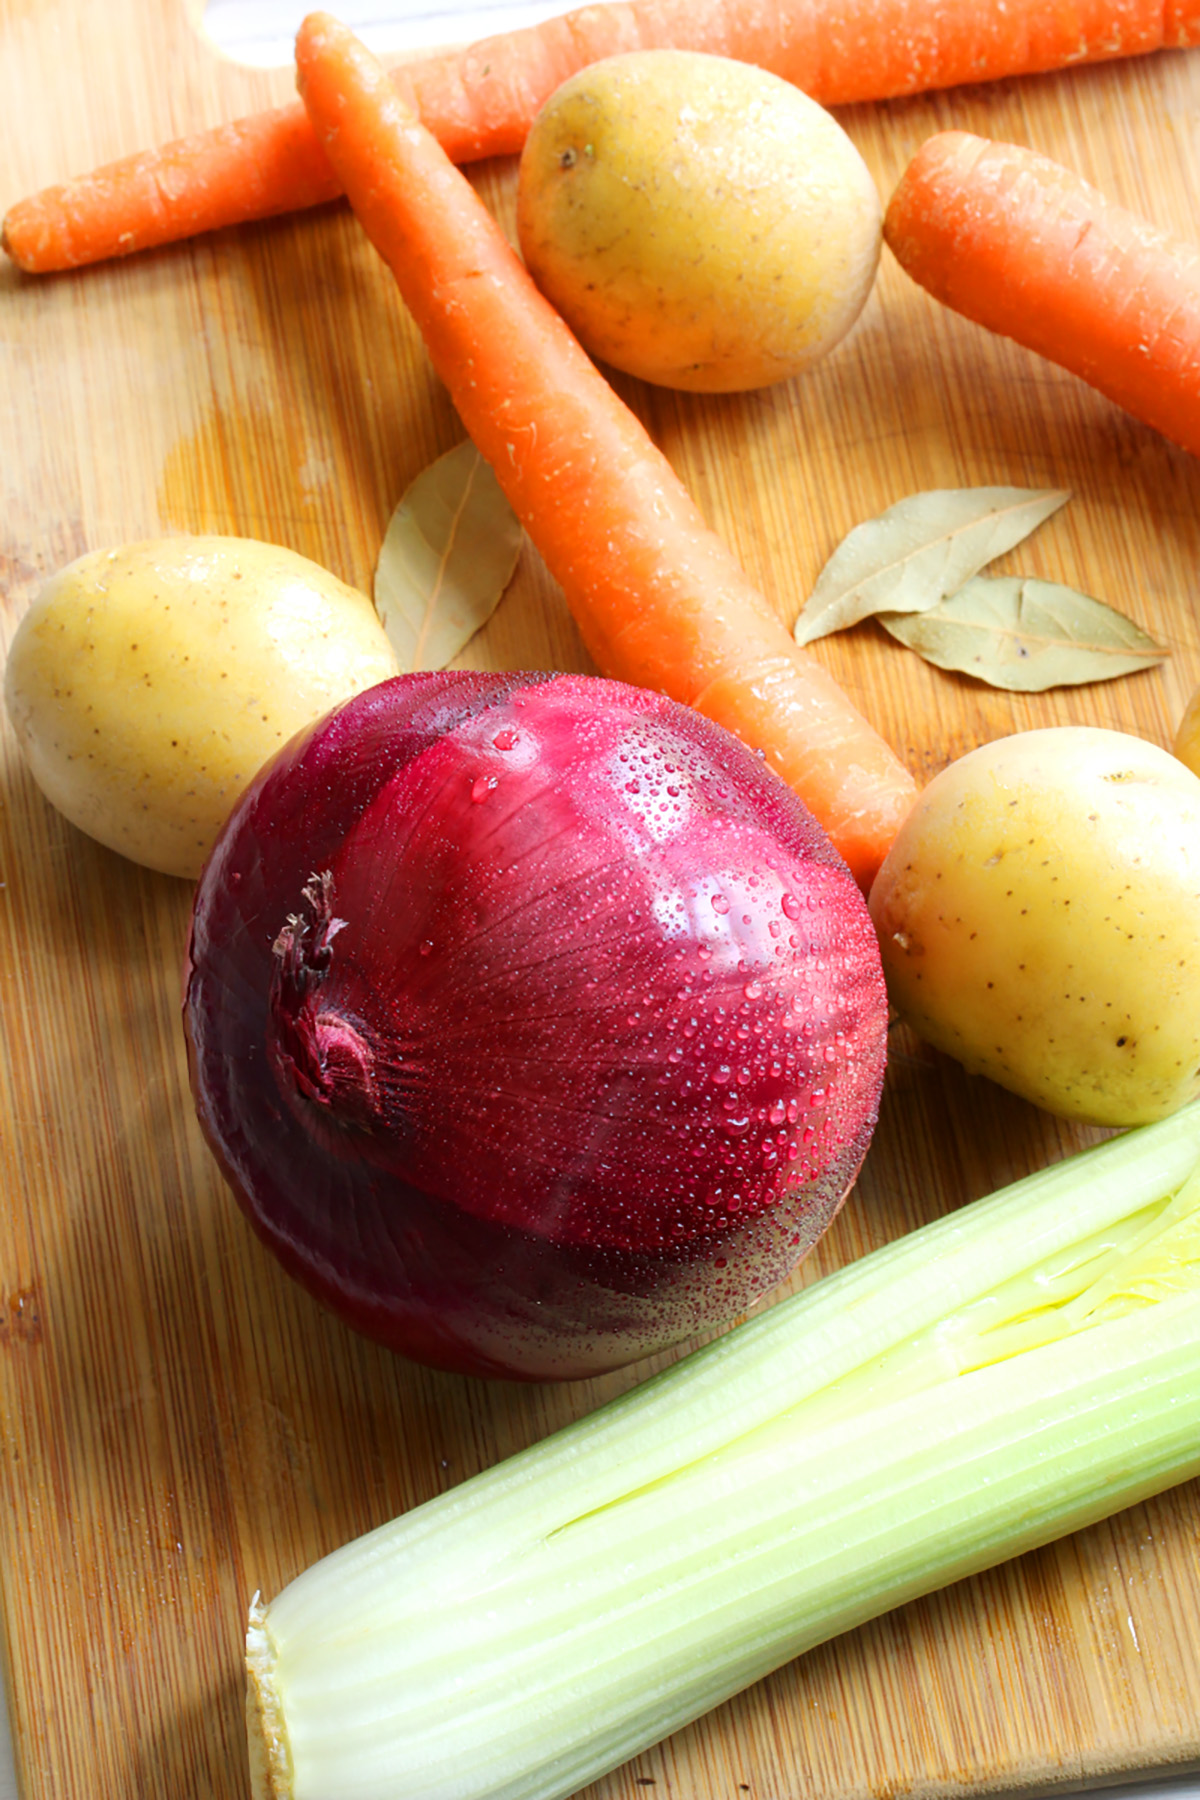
535,1024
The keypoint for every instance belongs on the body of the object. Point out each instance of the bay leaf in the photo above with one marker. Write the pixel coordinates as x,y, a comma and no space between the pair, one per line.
919,552
1026,635
447,556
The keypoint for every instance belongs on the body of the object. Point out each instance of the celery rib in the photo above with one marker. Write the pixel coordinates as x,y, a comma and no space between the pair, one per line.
1010,1373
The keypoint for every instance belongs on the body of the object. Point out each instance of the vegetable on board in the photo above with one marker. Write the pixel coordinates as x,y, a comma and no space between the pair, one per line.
480,101
1039,919
1029,249
147,684
660,600
572,1046
697,221
1020,1368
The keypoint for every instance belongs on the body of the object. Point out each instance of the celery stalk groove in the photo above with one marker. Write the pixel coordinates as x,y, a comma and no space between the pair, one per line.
1012,1372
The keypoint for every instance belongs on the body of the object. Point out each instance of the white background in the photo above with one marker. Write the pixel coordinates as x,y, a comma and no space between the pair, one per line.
260,32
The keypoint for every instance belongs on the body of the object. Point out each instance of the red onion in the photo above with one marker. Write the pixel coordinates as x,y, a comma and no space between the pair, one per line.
535,1024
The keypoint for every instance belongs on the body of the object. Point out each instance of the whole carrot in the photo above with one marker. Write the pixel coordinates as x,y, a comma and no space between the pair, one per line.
1027,248
481,101
660,600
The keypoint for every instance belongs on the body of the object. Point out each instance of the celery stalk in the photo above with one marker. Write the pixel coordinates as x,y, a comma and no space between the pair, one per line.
1012,1372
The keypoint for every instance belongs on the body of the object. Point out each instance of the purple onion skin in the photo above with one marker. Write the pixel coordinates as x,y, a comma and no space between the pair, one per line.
535,1024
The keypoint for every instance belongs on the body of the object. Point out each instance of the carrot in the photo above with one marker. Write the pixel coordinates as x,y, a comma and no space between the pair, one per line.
481,101
660,600
1027,248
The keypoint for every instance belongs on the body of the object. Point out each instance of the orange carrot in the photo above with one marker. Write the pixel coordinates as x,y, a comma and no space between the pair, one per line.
481,101
1021,245
660,600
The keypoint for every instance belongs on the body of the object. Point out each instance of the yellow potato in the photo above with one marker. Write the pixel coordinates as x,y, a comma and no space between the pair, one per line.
1187,738
1039,919
148,684
699,223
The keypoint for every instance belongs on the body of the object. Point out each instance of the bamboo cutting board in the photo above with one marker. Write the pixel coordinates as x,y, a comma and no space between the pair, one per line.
179,1424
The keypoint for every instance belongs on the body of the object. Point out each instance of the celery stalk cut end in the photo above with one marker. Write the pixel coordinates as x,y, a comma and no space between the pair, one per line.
266,1732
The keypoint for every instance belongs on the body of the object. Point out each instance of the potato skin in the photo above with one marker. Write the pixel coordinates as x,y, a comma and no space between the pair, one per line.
698,222
1039,920
1187,735
147,684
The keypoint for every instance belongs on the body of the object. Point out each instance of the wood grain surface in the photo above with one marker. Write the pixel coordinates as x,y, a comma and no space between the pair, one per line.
179,1424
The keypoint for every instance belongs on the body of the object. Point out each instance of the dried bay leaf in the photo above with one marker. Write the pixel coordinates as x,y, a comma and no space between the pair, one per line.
1026,635
448,554
919,552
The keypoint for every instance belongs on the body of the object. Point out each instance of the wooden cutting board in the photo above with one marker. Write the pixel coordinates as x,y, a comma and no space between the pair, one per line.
180,1424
